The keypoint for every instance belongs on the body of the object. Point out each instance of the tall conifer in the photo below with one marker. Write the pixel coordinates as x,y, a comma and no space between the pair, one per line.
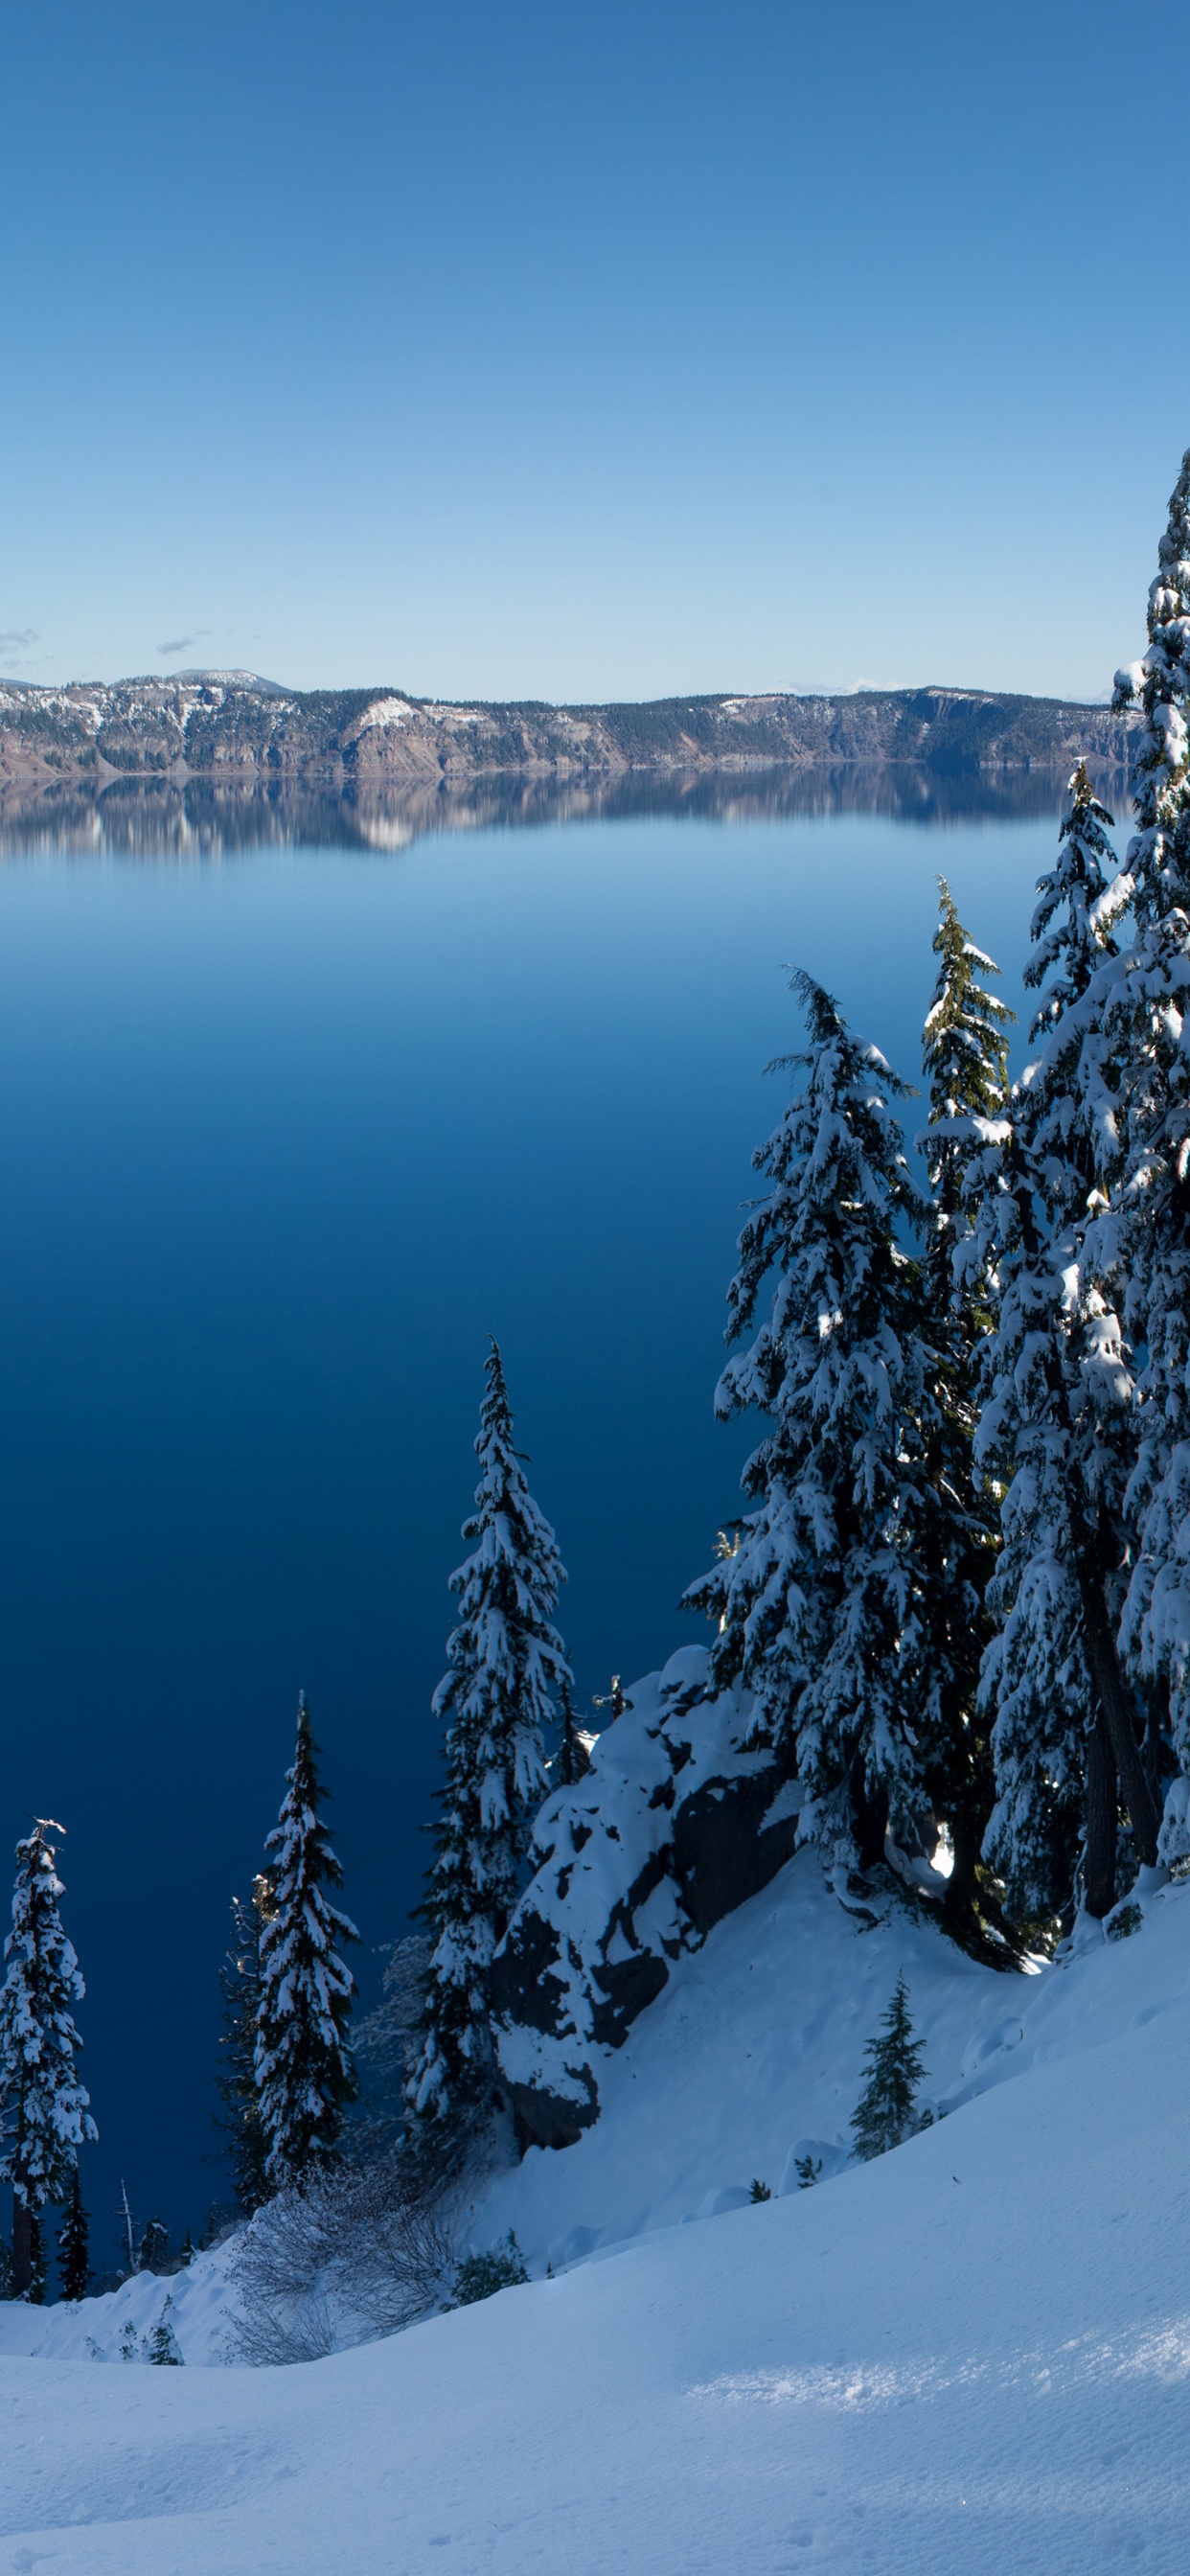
819,1606
302,2061
507,1675
1150,1228
965,1064
1056,1422
44,2110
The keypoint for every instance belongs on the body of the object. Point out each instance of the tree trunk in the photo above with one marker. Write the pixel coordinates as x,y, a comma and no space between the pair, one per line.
1099,1894
1107,1681
869,1816
22,2248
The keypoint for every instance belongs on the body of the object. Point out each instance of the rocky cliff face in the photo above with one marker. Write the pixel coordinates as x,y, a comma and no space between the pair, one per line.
675,1824
231,726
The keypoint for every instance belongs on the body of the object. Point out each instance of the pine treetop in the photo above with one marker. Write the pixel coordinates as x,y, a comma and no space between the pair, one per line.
504,1650
840,1182
1078,901
1160,684
964,1047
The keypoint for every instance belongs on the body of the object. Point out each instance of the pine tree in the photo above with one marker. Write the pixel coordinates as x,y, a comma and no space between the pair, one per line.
303,2069
1056,1422
161,2343
572,1760
1149,1229
507,1671
819,1605
884,2114
74,2269
965,1065
965,1062
235,2081
44,2111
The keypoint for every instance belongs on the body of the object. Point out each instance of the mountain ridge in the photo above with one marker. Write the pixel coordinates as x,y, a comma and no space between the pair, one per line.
238,727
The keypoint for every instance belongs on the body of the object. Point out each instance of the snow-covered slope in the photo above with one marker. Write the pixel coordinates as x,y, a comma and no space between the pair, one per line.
973,2354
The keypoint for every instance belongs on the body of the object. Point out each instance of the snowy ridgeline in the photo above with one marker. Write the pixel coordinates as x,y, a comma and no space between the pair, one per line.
973,2353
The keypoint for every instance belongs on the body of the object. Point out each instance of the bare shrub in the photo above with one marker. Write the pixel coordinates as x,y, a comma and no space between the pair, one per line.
358,2251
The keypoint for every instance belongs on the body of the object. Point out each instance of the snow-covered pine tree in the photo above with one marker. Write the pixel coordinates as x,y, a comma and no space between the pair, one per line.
507,1672
818,1606
44,2110
1056,1421
964,1060
965,1063
235,2081
884,2115
74,2265
1152,1228
302,2064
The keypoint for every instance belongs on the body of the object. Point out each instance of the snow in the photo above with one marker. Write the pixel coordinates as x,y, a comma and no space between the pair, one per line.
386,711
973,2353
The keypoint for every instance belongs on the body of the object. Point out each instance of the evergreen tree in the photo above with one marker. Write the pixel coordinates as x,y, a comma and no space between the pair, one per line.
572,1760
1056,1422
965,1065
1149,1230
302,2064
819,1605
965,1062
884,2114
74,2269
44,2113
161,2343
507,1670
235,2081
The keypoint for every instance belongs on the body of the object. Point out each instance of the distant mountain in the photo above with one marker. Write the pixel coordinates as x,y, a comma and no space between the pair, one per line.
234,726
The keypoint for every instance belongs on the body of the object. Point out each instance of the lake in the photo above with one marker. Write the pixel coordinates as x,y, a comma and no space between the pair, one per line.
297,1106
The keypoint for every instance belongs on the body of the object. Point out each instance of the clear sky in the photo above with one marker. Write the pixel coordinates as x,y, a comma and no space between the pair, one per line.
573,351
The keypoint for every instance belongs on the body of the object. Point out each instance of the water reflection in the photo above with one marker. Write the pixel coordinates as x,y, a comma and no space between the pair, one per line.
205,819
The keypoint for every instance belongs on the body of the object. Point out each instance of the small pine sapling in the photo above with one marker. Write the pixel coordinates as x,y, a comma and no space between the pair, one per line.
760,2190
807,2168
161,2343
479,2276
884,2114
74,2270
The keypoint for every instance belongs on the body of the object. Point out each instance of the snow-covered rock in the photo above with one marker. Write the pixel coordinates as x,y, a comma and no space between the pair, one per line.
675,1824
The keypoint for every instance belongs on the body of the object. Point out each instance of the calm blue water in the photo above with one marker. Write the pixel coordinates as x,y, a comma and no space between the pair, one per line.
282,1138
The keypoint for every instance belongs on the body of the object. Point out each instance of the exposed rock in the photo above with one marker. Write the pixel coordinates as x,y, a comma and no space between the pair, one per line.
675,1824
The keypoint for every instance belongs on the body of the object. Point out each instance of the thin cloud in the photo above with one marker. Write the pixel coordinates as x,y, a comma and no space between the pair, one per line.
180,644
17,639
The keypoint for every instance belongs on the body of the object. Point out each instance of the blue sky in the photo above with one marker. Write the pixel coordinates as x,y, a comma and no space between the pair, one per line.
583,351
